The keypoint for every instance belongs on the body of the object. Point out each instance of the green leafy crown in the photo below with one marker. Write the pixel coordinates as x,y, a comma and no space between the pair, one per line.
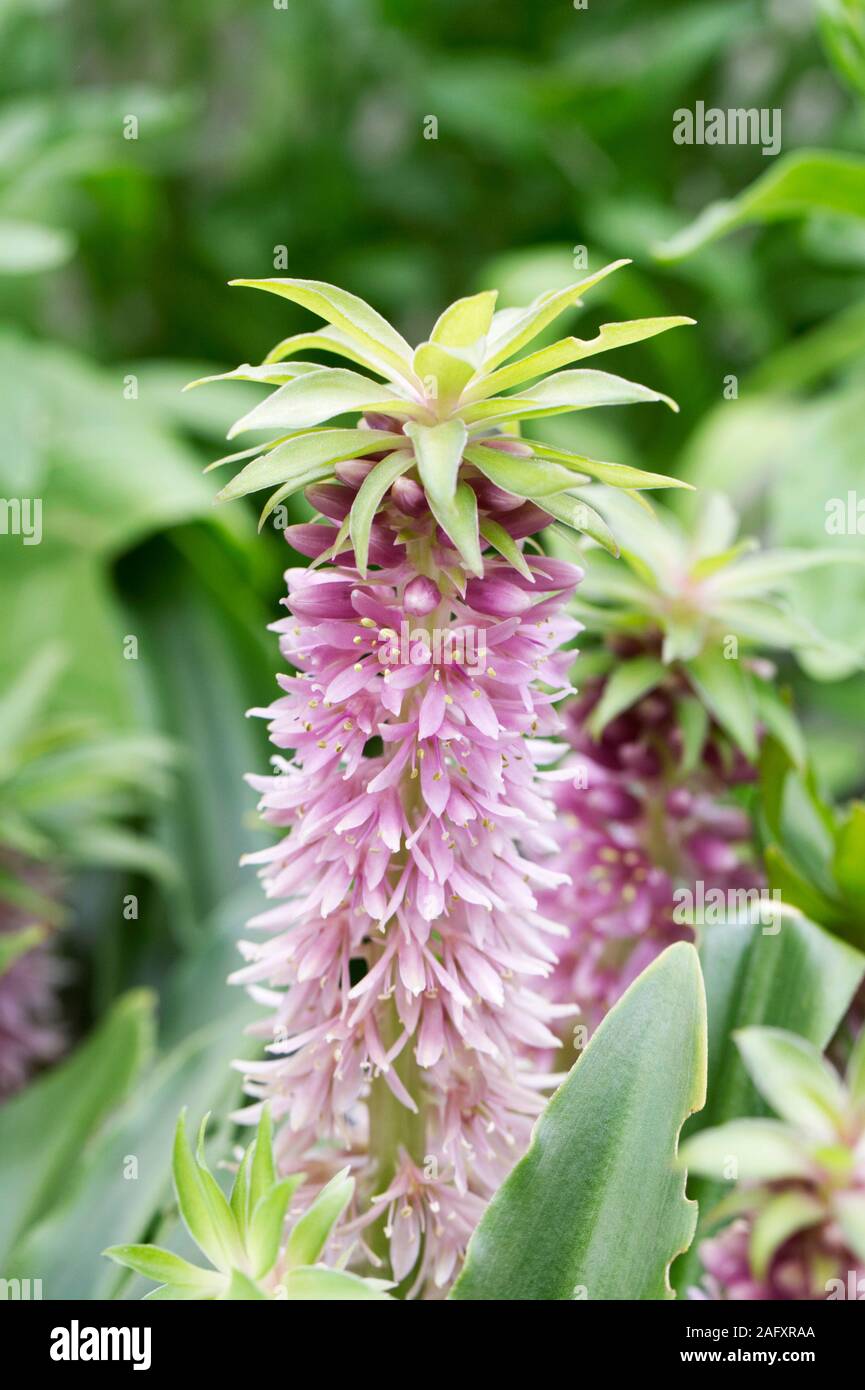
439,413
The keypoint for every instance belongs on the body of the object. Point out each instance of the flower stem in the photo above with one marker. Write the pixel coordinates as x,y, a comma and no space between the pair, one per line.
392,1126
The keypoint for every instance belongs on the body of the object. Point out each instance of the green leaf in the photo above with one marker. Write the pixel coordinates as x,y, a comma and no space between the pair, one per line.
797,889
780,721
762,573
466,321
64,1109
98,1205
266,1226
724,687
322,474
776,1222
196,1207
270,373
321,1285
330,339
613,474
439,451
175,1293
595,1208
524,477
449,368
693,720
311,1231
747,1151
366,503
795,1079
240,1193
241,1289
165,1268
311,400
460,521
502,541
610,335
628,683
797,184
299,457
262,1176
571,510
512,328
563,392
346,312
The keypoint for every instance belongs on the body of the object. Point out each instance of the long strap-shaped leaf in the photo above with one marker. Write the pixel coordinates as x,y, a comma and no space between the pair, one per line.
595,1209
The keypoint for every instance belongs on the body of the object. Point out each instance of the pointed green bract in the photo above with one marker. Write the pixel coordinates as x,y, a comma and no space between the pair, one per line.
561,393
610,335
306,452
369,495
329,339
779,1219
310,1233
466,322
524,477
265,1231
314,398
794,1078
195,1209
571,509
502,541
521,326
625,686
754,1150
613,474
439,452
724,687
154,1263
345,311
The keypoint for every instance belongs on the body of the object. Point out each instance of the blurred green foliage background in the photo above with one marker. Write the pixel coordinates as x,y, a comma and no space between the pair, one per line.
292,138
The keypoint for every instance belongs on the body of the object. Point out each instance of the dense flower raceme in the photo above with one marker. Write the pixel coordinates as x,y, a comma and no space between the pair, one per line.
798,1210
633,829
31,1028
406,955
421,864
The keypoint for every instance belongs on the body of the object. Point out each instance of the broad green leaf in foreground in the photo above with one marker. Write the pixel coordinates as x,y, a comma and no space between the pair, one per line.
594,1210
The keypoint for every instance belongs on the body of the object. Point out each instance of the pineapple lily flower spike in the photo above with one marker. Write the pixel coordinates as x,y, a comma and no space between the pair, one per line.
406,950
